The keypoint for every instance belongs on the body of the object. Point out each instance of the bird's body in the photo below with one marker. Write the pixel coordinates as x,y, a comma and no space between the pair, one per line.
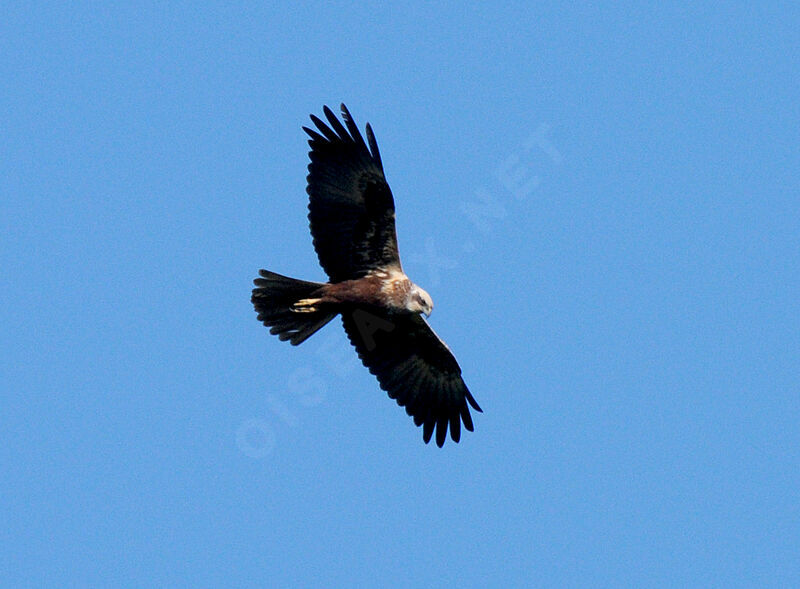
351,213
389,290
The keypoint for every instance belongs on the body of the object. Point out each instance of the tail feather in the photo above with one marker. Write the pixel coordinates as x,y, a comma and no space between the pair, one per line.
274,298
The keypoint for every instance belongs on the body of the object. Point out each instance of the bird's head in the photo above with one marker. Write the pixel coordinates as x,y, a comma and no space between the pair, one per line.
420,301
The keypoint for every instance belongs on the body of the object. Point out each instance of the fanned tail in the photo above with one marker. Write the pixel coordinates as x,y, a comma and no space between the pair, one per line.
285,305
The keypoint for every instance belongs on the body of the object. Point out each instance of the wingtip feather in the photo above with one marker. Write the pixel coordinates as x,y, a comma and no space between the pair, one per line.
441,431
373,146
473,402
427,429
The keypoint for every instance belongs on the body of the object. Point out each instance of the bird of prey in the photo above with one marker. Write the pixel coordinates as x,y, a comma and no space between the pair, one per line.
351,215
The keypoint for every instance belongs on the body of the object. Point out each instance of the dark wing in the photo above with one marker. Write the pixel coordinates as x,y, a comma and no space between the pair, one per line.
415,367
351,209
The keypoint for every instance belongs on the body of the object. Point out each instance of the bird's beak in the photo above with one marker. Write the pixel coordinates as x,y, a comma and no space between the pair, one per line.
427,313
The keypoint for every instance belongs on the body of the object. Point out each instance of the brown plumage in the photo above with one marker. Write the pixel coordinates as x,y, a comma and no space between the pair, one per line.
351,215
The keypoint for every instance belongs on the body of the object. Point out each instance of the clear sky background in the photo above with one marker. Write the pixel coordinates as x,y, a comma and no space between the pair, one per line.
603,202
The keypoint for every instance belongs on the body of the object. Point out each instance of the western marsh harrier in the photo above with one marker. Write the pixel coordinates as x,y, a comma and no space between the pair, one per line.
351,214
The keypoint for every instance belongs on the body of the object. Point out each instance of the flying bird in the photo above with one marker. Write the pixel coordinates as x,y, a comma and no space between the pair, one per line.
351,216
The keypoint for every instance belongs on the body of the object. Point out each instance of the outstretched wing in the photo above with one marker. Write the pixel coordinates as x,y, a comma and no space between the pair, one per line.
350,209
415,367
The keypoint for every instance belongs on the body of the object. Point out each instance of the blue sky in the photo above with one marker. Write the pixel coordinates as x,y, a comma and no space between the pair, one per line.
603,202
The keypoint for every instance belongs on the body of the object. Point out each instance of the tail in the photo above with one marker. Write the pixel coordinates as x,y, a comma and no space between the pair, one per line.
275,299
